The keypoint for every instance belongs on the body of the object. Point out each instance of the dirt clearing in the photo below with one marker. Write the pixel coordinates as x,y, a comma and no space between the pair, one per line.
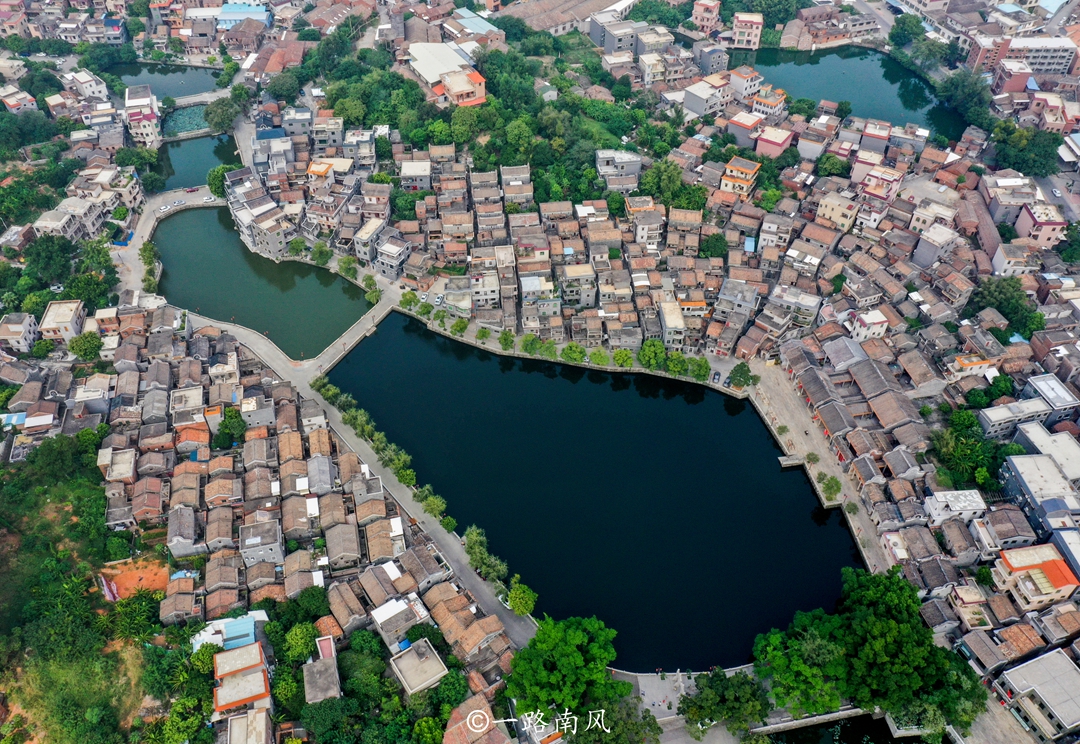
147,572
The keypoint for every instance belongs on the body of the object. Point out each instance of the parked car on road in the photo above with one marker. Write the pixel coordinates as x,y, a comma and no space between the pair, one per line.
192,190
715,377
164,208
423,297
1056,193
179,203
438,300
209,199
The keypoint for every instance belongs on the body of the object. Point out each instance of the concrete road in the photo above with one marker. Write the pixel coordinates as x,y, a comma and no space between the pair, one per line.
128,266
879,10
1054,24
1068,201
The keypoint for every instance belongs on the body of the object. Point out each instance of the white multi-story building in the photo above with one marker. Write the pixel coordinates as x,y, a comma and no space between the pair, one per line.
142,116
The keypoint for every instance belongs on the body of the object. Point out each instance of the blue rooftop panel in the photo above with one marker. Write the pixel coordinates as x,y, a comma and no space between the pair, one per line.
239,632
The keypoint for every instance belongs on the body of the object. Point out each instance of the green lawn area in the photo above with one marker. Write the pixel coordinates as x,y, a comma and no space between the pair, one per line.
600,134
576,47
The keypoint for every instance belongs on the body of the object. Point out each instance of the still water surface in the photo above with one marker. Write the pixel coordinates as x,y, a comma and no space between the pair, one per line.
209,270
658,506
185,164
167,80
876,85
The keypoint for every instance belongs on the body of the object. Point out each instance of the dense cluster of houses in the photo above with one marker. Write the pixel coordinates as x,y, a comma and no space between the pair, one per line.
288,508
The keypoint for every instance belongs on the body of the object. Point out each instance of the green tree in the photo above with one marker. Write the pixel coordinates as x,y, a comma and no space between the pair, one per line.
928,54
215,181
623,358
804,664
48,258
599,358
300,642
1007,232
1006,294
346,266
741,376
42,348
565,665
202,661
86,346
1033,152
230,430
699,368
676,364
652,354
805,107
775,11
713,246
435,505
506,339
967,92
285,86
483,334
409,300
240,94
221,114
984,576
622,89
616,202
320,254
663,181
297,246
832,487
626,722
449,524
830,165
521,598
739,700
573,352
427,731
1069,248
843,109
463,124
424,310
906,29
459,326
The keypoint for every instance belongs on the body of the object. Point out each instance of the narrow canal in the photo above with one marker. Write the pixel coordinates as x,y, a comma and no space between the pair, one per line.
877,86
209,270
185,164
167,80
658,506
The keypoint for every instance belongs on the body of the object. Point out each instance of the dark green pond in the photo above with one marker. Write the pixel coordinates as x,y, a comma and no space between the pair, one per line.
167,80
877,86
209,270
658,506
185,164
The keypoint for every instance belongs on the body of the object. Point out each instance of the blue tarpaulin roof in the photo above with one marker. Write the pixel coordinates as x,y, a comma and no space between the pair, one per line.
751,245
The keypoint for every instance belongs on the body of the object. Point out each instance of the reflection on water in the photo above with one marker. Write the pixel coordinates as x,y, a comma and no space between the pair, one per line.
877,86
208,269
612,494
